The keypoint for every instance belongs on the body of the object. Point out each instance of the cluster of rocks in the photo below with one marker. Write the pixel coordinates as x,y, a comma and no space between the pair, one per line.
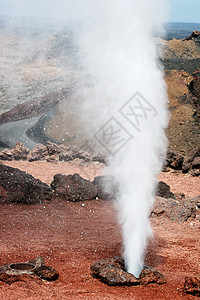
188,164
32,269
53,152
19,187
50,152
112,272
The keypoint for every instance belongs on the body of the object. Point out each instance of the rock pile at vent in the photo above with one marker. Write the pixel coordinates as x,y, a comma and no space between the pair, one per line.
112,272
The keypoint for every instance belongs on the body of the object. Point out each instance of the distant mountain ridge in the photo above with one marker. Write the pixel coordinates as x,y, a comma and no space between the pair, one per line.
180,30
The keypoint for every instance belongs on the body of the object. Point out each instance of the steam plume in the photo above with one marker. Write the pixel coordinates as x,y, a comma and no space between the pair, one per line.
120,55
122,75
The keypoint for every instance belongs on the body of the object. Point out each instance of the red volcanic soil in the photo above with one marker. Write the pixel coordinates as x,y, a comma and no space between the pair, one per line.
71,236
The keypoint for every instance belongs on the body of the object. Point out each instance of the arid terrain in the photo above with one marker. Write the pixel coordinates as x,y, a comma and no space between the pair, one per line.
71,236
38,76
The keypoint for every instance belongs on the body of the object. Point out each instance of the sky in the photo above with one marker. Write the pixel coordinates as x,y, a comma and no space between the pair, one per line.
185,11
180,10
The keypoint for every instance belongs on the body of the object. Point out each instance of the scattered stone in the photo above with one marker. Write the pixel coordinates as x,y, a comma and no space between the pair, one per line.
191,161
19,187
179,196
6,154
32,269
39,152
47,273
50,152
163,190
174,160
74,188
18,153
192,286
174,210
106,187
112,272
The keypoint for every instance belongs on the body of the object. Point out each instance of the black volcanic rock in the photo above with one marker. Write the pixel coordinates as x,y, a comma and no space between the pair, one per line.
106,187
112,272
163,190
19,187
74,188
47,273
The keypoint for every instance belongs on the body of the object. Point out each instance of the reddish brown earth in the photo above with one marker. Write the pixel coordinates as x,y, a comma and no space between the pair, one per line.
71,236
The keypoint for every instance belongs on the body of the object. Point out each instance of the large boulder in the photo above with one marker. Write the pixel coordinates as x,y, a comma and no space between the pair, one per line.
112,272
19,187
74,188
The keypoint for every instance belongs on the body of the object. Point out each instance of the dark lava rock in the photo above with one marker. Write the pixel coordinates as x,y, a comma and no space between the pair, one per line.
106,187
47,273
112,272
74,187
163,190
192,286
20,187
190,161
175,210
174,160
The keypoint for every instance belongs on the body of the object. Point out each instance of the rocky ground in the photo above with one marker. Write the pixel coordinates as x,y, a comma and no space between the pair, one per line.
38,75
40,72
71,236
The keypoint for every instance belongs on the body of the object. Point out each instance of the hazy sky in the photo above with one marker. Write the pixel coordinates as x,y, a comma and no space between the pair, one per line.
181,10
185,11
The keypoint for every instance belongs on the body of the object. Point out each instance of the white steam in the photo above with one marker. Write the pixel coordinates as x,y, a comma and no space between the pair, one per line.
118,56
119,53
